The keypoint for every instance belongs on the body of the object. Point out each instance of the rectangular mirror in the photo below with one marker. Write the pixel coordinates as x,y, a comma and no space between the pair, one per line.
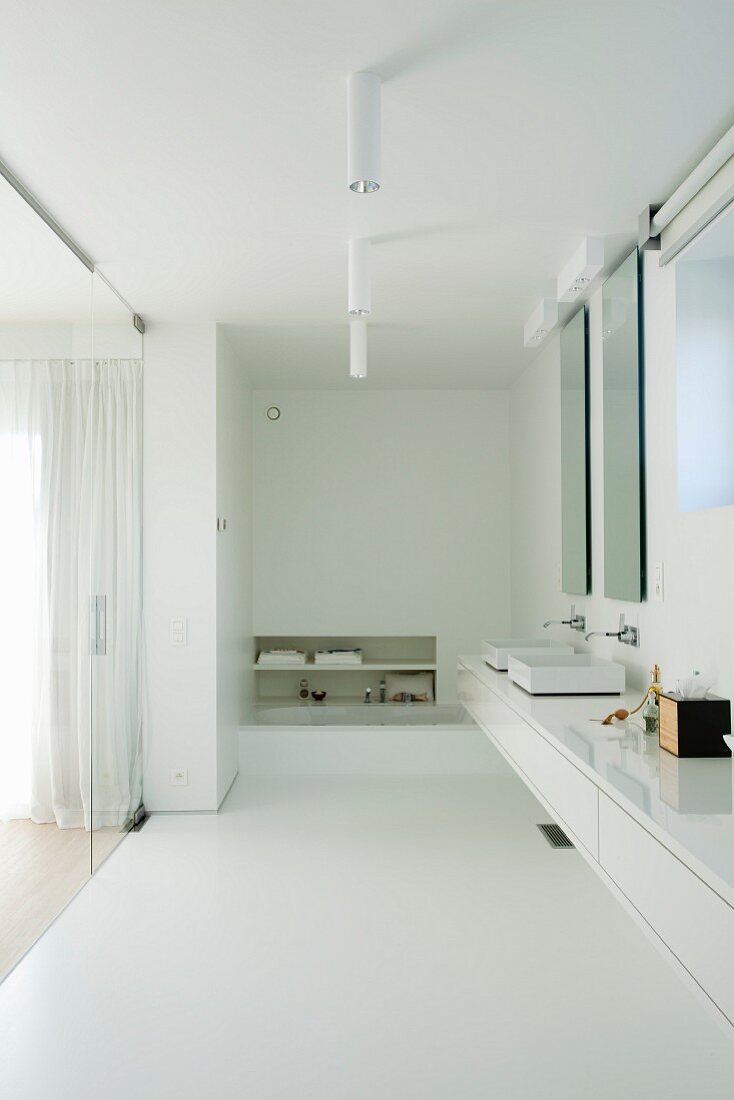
624,484
575,512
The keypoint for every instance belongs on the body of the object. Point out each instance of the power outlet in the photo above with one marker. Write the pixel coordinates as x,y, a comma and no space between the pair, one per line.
180,777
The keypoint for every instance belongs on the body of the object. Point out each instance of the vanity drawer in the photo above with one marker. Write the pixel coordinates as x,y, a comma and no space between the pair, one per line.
559,784
690,917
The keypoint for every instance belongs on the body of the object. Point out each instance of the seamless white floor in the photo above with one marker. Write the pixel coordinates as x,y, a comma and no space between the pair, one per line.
353,938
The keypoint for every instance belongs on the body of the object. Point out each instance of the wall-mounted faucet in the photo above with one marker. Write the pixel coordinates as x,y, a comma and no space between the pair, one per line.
576,622
627,635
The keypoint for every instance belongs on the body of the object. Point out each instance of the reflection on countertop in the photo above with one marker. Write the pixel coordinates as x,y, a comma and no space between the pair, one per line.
686,803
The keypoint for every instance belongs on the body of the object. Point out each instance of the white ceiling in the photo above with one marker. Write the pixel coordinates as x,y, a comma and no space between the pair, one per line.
41,280
197,151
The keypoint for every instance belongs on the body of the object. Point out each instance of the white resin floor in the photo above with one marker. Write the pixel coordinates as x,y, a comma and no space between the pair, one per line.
353,938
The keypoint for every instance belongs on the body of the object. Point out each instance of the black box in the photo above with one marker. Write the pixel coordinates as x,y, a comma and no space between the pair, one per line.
694,727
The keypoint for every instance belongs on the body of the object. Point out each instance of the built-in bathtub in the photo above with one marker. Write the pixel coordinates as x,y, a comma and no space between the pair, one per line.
376,739
440,740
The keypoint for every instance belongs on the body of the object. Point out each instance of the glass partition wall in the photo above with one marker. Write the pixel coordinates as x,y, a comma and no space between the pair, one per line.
116,595
70,515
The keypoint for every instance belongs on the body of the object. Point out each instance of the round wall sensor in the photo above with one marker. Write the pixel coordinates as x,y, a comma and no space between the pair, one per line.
273,413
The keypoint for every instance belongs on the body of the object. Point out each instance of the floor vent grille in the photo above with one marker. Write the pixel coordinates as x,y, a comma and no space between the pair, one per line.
555,836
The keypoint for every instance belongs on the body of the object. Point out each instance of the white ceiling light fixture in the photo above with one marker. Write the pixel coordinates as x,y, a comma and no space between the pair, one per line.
359,297
586,262
358,349
363,132
540,323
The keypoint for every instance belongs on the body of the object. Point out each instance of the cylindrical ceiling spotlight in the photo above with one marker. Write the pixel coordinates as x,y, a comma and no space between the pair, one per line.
358,349
363,132
359,298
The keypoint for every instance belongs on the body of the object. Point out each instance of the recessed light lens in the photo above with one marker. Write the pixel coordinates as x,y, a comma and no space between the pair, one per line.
364,187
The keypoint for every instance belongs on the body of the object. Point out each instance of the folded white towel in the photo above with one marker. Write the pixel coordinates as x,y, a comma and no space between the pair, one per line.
282,657
338,657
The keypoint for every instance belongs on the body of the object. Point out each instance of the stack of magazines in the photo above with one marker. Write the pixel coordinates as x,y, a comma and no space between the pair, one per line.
338,657
281,657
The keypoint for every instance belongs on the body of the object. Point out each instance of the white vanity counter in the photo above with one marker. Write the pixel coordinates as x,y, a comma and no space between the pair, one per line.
658,829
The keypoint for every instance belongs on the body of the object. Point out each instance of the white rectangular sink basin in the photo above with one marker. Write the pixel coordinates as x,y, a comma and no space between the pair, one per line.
551,673
497,651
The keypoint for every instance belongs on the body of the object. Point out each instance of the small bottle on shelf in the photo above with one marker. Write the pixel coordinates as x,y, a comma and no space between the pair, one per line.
303,690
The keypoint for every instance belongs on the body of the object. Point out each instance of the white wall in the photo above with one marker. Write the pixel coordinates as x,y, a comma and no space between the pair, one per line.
234,558
36,341
383,513
693,627
179,540
535,493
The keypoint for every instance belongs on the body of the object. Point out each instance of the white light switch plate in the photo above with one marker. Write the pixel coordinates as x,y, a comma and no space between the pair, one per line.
180,777
658,581
178,632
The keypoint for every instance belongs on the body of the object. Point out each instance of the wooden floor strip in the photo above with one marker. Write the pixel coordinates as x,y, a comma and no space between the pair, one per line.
41,868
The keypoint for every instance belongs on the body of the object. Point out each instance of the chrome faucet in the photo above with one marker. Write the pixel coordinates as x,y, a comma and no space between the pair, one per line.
576,622
627,635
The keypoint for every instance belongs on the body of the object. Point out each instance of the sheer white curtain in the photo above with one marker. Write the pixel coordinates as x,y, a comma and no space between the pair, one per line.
70,491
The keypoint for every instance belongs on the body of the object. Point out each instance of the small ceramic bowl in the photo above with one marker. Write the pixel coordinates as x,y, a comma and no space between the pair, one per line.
319,696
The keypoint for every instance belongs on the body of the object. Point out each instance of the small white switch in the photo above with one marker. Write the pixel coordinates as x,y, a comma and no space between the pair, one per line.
180,777
658,582
178,632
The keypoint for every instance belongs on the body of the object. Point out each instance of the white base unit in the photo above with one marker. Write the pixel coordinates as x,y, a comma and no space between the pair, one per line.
497,651
659,831
566,674
560,786
695,923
